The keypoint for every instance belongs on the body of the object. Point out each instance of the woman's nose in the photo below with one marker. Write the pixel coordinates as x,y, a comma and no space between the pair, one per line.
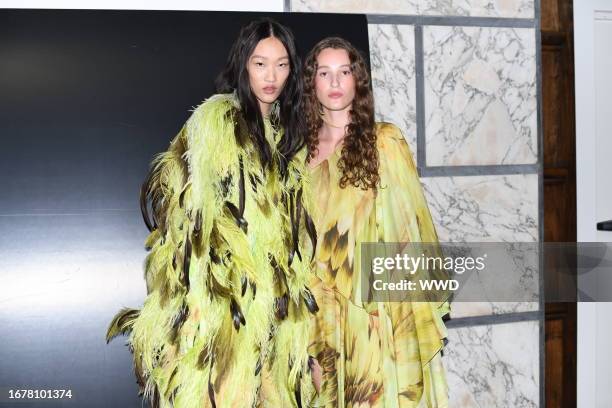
270,75
335,81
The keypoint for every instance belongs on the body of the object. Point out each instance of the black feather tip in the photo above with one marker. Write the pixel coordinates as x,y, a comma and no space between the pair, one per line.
310,301
243,283
282,306
237,316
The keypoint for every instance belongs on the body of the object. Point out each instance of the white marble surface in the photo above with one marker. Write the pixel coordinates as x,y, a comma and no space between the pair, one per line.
474,8
478,8
484,208
357,6
509,282
472,309
393,77
494,366
480,95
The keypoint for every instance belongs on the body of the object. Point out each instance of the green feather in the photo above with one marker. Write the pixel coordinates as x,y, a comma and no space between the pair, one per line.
121,323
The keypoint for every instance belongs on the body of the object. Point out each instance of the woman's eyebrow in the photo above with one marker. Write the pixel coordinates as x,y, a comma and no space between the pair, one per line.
262,57
327,66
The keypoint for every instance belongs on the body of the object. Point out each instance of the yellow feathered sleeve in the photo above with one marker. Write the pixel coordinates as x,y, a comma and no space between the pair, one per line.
199,260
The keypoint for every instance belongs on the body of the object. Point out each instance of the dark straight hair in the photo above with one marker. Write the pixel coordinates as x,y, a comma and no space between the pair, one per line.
235,78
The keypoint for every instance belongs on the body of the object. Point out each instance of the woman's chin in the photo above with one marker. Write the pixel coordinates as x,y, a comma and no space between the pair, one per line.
267,99
335,105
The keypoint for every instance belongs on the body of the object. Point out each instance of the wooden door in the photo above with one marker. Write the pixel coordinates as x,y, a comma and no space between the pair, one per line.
559,192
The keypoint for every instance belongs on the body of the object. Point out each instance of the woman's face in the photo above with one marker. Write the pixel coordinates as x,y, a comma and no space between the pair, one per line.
268,69
334,81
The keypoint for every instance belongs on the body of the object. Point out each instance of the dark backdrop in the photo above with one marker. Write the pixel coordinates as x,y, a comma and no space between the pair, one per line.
86,99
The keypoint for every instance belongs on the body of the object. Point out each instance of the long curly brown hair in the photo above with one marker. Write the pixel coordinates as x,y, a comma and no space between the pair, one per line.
359,156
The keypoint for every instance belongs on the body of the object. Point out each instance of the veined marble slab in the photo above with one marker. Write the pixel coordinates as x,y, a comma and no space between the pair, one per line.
494,366
473,8
480,95
357,6
478,8
473,309
484,208
393,77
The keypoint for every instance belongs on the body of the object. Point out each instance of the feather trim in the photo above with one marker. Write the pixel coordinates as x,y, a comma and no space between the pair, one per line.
121,323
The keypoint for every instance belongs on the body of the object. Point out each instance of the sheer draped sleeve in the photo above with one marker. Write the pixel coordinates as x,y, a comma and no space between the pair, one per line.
403,216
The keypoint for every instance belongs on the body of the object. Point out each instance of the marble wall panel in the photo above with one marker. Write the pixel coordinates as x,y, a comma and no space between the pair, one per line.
484,208
472,8
478,8
473,309
393,77
494,366
357,6
480,95
509,282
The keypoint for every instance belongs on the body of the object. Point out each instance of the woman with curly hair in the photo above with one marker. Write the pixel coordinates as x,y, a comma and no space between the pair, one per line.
225,322
368,354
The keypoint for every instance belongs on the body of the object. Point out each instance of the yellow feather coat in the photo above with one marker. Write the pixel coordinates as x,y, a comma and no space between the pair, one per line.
226,319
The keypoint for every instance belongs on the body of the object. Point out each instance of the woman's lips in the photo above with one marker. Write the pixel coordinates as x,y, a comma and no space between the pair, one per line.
335,95
270,90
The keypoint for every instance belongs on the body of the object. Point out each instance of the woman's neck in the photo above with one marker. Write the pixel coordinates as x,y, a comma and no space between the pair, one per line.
265,109
331,134
334,125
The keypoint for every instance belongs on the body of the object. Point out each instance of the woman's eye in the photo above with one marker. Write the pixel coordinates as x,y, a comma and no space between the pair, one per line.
283,64
322,74
347,72
259,63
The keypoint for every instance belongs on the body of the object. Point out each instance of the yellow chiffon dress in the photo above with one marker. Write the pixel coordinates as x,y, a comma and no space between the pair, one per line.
373,354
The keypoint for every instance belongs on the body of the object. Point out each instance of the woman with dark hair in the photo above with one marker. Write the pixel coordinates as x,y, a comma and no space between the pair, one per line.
225,321
368,354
